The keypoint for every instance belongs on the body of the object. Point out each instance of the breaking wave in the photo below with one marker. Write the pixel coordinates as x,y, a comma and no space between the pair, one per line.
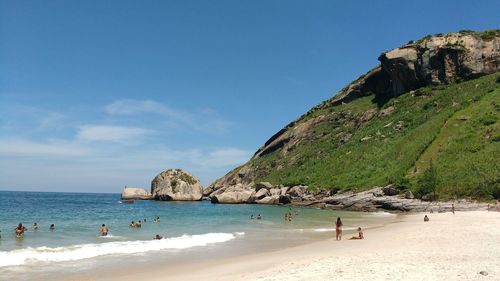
85,251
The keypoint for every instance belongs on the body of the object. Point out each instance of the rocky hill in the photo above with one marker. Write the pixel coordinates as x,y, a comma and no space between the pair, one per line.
430,109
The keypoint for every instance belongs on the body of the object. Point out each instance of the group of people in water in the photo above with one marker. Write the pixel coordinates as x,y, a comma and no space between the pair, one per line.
289,215
21,229
338,231
138,224
259,217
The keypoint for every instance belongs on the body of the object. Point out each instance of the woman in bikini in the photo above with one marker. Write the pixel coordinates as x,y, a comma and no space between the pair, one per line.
338,229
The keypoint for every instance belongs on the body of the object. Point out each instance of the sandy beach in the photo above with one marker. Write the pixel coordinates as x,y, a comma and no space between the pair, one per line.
449,247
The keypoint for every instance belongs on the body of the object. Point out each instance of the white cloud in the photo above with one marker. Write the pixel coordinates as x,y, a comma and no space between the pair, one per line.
18,147
205,120
130,107
111,133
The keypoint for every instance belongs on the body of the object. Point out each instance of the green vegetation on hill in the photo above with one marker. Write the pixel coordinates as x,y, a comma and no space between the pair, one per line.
371,142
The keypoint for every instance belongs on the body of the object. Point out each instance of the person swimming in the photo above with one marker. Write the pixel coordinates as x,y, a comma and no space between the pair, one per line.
360,235
104,230
34,226
138,224
52,227
157,237
20,229
132,224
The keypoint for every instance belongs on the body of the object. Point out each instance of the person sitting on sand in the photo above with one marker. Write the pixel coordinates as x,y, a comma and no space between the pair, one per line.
426,218
360,235
52,227
104,230
34,226
20,229
338,229
158,237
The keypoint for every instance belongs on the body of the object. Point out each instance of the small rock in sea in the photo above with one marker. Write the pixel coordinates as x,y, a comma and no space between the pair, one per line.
483,273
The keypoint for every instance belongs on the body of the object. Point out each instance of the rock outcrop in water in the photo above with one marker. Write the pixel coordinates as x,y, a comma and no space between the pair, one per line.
135,193
176,185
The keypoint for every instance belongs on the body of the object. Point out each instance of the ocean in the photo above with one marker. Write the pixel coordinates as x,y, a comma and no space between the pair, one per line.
191,230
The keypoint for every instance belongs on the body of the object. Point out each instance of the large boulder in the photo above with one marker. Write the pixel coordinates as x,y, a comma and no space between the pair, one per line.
176,185
236,194
133,193
269,200
390,190
275,191
261,193
263,185
298,191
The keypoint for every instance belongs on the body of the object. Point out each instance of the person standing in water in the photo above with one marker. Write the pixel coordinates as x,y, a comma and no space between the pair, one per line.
34,226
104,230
52,227
20,229
338,229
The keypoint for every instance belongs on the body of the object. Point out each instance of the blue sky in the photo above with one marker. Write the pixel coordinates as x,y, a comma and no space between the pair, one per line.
95,95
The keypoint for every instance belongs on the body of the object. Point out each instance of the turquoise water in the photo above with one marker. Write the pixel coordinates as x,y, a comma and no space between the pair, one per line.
188,228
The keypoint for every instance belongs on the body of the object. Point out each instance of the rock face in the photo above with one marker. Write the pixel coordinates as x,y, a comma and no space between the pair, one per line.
435,59
176,185
134,193
438,59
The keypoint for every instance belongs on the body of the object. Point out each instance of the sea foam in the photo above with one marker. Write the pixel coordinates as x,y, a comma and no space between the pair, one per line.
84,251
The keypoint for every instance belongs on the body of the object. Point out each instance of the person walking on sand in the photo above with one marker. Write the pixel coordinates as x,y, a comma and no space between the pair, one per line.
338,229
360,235
453,208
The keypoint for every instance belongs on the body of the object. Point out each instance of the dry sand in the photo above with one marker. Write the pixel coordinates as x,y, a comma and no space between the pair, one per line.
448,247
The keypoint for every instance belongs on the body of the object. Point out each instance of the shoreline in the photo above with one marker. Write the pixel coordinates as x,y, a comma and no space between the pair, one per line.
423,250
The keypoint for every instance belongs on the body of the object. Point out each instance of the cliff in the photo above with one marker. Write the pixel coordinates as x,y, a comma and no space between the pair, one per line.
429,101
